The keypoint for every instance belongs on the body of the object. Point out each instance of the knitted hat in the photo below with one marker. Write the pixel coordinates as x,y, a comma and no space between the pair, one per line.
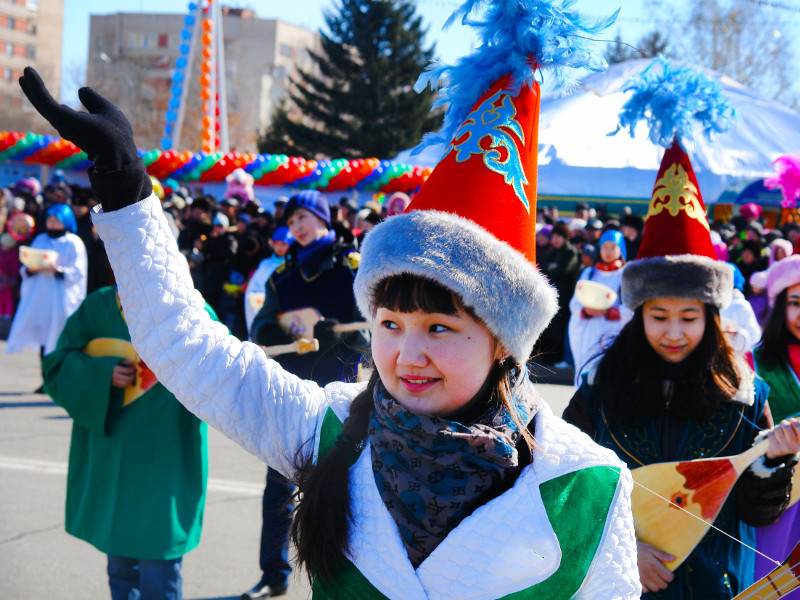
617,238
282,234
676,258
472,225
312,201
782,275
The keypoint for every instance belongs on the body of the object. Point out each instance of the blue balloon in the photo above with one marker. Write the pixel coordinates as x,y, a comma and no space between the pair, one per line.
181,62
177,90
168,128
184,49
171,116
186,34
166,143
192,7
174,103
177,77
188,20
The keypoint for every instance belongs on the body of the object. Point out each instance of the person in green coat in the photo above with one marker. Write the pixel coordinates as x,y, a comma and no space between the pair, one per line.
138,460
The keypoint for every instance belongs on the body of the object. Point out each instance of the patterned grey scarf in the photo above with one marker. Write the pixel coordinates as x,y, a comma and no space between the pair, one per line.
432,472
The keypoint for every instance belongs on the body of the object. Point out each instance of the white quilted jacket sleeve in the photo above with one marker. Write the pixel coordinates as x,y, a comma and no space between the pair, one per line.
230,384
615,572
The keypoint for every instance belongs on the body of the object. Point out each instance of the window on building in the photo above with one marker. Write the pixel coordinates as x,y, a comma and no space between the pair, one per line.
163,40
150,40
285,50
11,23
9,48
30,51
7,74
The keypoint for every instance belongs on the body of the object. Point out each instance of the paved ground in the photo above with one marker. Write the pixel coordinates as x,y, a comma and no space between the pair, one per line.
39,560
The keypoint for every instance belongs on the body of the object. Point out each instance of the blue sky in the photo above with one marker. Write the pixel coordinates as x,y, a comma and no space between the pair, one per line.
309,13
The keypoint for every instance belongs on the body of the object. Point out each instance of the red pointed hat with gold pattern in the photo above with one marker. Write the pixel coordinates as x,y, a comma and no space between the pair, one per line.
676,258
472,225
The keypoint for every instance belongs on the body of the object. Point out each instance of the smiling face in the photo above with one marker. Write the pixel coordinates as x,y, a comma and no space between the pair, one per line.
432,363
306,227
674,327
793,310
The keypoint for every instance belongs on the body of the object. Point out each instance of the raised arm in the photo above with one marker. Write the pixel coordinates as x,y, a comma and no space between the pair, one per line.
231,385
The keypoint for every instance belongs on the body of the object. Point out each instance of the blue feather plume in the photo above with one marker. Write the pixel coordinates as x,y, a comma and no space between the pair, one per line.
674,100
517,37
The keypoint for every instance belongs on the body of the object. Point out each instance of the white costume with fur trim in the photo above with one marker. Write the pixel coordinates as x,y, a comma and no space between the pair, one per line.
505,546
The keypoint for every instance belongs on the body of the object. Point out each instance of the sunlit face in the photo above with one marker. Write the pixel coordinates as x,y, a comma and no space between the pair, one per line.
306,227
280,248
431,362
793,310
674,327
609,252
53,224
779,253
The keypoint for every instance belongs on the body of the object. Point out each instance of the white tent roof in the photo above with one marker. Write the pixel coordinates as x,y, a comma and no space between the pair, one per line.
577,157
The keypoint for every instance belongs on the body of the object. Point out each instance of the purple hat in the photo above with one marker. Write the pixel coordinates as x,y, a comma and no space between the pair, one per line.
312,201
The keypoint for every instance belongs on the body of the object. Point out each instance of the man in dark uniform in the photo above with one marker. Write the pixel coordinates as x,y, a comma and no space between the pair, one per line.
318,273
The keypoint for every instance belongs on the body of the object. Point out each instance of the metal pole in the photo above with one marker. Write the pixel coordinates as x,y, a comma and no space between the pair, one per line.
198,22
222,83
213,75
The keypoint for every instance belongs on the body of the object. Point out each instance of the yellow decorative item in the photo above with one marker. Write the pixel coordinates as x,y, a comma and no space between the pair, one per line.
353,260
144,378
674,193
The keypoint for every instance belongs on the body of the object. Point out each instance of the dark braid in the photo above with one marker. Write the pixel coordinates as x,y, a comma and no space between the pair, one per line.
321,522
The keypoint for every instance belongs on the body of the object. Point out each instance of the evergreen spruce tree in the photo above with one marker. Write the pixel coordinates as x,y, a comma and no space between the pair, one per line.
357,100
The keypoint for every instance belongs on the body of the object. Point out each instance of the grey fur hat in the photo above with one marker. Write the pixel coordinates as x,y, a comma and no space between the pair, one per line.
688,276
502,287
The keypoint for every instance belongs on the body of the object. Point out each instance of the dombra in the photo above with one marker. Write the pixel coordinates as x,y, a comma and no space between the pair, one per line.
594,295
778,582
675,503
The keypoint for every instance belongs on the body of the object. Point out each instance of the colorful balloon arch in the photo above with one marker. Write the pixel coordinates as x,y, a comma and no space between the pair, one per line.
266,169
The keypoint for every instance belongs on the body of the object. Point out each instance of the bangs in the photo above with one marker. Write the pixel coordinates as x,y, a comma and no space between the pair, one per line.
408,293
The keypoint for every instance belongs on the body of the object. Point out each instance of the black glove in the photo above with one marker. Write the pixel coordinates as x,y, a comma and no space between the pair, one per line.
118,176
323,331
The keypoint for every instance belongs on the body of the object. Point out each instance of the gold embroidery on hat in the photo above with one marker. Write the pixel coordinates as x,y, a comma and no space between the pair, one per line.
675,193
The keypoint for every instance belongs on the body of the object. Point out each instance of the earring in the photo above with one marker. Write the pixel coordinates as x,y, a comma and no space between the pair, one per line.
503,360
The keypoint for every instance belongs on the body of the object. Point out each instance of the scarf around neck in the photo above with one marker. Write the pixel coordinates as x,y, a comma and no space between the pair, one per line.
432,472
310,255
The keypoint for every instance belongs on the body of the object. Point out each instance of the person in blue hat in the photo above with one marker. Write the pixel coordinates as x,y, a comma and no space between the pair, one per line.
591,327
318,272
280,242
50,291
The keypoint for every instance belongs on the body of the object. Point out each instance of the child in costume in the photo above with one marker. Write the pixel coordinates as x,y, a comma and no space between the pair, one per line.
9,275
138,460
590,329
425,482
670,388
50,294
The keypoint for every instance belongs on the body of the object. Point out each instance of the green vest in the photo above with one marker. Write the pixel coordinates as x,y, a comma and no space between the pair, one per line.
784,389
573,501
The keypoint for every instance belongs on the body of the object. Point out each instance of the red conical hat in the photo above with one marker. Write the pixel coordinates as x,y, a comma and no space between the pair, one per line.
472,225
676,221
676,258
489,172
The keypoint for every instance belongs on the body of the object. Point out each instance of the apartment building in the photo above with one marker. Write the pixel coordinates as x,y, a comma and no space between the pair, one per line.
31,33
132,59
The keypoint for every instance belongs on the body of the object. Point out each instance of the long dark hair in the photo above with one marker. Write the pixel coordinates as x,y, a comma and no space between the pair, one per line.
320,530
775,339
630,376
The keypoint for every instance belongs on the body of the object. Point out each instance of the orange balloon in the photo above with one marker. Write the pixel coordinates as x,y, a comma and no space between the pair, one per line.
207,25
207,53
206,39
206,122
206,148
205,66
205,94
206,135
205,80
